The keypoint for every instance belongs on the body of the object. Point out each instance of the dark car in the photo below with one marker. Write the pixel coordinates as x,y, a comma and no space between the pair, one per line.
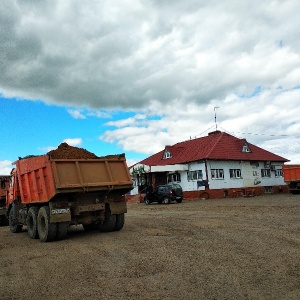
164,194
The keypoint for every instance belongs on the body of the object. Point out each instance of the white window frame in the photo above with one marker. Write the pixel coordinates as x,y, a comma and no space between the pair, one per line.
265,173
167,154
195,175
278,173
174,177
217,173
235,173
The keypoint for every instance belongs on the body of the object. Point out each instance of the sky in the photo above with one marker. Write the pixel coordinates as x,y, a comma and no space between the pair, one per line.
132,76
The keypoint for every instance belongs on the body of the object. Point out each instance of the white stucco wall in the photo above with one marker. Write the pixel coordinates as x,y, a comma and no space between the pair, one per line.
250,175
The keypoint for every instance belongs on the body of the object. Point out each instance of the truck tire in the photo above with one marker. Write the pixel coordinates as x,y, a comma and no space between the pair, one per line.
90,227
32,222
12,220
120,219
109,224
3,220
47,231
62,230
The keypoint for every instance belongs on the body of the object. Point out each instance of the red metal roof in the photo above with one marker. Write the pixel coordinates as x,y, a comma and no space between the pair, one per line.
216,146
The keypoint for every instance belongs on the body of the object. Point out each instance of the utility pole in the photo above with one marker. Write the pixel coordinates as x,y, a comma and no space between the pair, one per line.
215,110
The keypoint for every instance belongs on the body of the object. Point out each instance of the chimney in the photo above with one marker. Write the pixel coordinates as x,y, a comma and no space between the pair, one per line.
215,132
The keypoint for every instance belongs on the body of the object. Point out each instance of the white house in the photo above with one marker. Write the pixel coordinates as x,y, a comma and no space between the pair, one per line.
218,165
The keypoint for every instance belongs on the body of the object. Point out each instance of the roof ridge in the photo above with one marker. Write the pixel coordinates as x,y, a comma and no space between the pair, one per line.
217,141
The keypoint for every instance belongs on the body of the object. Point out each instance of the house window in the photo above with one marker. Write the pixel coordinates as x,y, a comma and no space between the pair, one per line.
195,175
265,173
217,174
174,177
167,154
246,147
235,173
254,163
255,173
278,173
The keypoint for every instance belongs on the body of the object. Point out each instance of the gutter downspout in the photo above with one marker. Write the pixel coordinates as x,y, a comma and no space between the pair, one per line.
206,171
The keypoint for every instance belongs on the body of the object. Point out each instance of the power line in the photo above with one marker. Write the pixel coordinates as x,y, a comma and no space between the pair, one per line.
246,133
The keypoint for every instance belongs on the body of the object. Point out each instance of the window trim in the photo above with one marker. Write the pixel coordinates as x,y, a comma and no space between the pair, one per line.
278,173
167,154
265,173
218,174
235,173
198,175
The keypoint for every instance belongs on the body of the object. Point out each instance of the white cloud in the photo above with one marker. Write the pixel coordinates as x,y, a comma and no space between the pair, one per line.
128,54
75,142
171,62
84,113
269,120
99,114
76,114
5,167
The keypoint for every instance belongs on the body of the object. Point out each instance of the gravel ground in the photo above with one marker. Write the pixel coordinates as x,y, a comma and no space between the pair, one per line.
242,248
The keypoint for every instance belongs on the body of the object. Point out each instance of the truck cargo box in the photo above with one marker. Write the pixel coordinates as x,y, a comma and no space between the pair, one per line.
41,177
67,186
291,174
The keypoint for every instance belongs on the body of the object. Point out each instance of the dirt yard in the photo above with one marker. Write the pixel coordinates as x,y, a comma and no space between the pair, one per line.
242,248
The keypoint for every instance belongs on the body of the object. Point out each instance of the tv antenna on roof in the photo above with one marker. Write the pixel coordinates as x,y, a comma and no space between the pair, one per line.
215,110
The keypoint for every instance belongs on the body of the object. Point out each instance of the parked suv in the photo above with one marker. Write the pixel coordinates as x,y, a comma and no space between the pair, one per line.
164,194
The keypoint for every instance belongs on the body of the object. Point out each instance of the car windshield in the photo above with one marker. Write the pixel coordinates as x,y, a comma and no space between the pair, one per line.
176,186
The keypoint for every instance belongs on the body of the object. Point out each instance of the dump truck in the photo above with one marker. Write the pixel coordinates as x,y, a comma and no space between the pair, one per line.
67,186
4,181
291,175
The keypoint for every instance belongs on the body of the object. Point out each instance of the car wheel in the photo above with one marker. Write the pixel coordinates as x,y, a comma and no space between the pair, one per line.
166,200
147,200
179,200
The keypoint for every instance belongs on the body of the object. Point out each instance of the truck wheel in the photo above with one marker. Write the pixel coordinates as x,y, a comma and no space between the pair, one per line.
12,220
3,220
32,222
120,219
47,231
90,227
109,224
179,200
62,230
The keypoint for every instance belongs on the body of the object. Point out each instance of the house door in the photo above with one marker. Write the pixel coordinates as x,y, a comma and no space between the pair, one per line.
161,178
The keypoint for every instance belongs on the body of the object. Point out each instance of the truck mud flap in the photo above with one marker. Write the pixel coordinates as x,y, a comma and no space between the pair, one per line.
118,208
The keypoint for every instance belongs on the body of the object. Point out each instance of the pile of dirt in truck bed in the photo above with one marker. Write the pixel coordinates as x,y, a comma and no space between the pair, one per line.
65,151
